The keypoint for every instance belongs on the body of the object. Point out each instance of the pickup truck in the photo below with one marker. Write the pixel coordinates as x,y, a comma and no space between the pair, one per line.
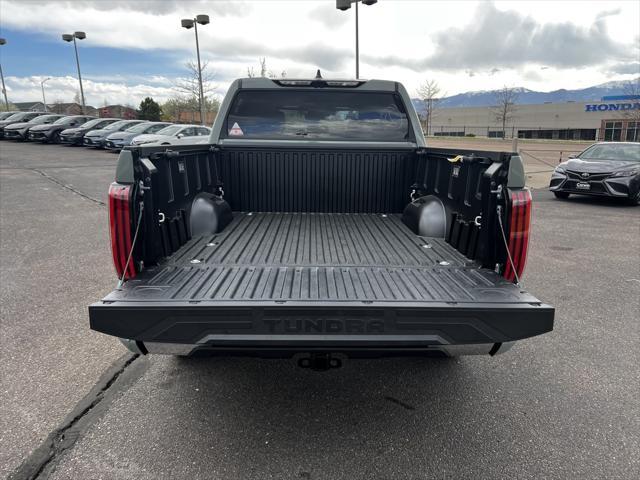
317,224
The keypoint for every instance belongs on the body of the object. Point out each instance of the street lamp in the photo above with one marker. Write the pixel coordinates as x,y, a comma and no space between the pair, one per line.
193,23
346,5
4,89
44,100
72,38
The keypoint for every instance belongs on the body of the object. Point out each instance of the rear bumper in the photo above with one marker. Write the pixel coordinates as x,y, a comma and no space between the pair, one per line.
265,326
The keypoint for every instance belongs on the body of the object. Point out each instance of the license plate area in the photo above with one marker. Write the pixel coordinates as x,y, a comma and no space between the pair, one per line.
583,186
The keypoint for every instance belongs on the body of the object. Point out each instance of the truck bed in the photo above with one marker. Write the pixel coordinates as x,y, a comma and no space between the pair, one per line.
301,267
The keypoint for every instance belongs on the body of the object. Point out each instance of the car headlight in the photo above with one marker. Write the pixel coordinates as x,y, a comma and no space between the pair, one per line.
630,172
142,142
559,170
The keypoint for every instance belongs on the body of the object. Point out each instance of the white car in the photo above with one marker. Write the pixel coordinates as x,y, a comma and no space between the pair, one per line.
195,140
168,135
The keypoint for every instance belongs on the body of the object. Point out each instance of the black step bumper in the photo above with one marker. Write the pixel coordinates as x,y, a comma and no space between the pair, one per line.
336,325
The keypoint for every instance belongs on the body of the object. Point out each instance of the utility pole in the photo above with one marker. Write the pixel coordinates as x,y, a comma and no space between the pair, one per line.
193,23
4,89
44,100
69,38
346,5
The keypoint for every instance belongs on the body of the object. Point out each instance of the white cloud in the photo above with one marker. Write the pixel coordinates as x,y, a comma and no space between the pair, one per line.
96,92
300,36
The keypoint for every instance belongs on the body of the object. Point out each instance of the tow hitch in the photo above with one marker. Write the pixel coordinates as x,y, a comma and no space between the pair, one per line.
320,362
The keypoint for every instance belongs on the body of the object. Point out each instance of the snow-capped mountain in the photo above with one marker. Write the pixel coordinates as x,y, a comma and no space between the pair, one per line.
486,98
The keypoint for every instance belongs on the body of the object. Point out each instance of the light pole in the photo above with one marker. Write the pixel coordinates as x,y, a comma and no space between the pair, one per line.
4,89
193,23
72,38
44,100
346,5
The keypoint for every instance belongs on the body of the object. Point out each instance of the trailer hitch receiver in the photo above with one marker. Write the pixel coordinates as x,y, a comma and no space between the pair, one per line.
320,362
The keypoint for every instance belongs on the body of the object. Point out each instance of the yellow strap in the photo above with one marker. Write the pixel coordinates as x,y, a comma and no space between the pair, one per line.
455,159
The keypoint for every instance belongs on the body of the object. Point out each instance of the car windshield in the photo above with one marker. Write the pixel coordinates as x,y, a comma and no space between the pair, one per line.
116,125
92,123
17,116
42,119
318,114
65,120
170,130
629,152
139,128
5,115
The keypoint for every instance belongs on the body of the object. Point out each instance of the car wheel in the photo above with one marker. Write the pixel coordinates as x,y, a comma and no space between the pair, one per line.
563,195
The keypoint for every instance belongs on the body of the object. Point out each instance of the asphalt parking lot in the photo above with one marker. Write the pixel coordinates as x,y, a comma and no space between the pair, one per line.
75,404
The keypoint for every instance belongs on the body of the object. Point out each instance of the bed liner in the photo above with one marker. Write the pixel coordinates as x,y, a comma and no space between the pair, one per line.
343,257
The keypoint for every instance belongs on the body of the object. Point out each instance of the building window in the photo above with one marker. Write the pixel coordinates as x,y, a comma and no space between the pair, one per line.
633,132
612,131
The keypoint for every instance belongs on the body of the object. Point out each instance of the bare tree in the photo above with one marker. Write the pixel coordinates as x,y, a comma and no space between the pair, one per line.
505,106
190,85
188,93
429,93
264,71
632,89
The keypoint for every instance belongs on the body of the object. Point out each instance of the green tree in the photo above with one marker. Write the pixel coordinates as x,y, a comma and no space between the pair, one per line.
149,110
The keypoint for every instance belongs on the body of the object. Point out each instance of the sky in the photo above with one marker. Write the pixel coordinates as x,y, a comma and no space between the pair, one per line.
136,48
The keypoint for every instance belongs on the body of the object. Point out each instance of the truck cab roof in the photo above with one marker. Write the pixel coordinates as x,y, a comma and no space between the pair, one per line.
339,83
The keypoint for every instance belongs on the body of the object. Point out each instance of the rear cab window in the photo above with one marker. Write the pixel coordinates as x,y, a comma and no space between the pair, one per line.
317,114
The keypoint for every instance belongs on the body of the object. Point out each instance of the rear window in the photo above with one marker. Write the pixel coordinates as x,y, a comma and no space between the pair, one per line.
317,115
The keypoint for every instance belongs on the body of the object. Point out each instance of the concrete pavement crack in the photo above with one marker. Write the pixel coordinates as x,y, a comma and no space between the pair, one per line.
68,187
42,462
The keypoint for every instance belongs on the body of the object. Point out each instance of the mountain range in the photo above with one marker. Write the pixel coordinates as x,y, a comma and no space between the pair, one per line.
486,98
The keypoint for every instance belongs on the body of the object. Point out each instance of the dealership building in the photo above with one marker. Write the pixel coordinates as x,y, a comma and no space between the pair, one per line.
614,118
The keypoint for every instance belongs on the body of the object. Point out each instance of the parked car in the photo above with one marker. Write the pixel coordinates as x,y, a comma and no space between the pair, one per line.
51,133
117,141
319,234
610,169
5,115
96,138
20,131
19,117
75,136
193,140
164,136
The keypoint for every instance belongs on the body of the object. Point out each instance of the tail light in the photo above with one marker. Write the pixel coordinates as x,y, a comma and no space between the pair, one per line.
120,229
518,235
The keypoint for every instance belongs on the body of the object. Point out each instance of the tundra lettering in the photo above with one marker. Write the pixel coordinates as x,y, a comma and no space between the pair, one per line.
324,325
